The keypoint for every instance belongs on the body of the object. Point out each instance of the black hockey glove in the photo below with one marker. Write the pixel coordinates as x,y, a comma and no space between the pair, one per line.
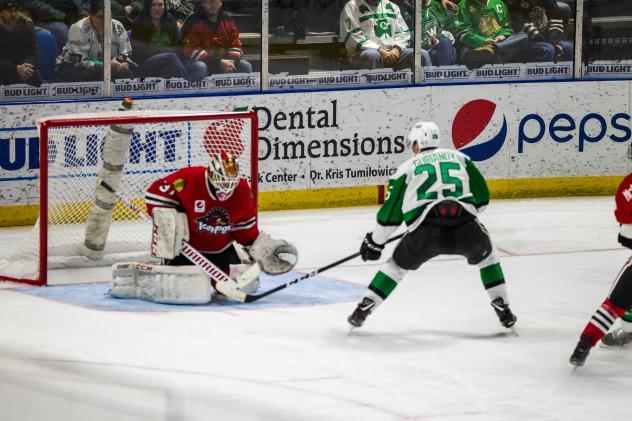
370,250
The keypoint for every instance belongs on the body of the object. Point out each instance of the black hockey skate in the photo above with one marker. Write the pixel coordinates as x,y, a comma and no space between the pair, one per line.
506,317
581,351
359,315
617,338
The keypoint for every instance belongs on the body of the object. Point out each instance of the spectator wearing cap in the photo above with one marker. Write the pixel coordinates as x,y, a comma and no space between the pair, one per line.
18,48
211,37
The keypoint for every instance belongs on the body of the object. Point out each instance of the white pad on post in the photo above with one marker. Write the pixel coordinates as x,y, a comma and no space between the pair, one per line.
115,151
160,284
170,230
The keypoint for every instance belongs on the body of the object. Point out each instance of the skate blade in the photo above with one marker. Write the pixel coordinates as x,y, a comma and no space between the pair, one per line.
351,327
513,330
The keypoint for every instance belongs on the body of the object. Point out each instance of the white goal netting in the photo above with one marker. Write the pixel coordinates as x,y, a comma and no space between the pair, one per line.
86,226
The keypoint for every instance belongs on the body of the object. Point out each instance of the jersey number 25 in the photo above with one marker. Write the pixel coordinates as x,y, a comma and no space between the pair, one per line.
437,178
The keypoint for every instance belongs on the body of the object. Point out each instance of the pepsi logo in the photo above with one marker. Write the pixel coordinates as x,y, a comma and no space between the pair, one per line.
479,130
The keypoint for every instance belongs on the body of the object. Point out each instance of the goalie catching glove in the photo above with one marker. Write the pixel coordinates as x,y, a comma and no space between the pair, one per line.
274,256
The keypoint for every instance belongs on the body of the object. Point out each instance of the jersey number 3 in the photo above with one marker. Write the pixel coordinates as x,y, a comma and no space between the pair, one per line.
428,189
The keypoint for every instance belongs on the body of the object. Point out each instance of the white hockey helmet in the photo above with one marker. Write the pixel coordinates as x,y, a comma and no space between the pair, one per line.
425,134
223,174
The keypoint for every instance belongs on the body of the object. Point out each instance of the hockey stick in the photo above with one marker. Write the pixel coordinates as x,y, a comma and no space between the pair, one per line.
189,252
254,297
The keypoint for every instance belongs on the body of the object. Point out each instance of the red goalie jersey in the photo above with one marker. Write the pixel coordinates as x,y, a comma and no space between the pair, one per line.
213,224
623,199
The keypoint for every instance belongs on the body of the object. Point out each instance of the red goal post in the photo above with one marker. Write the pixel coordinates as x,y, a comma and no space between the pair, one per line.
87,228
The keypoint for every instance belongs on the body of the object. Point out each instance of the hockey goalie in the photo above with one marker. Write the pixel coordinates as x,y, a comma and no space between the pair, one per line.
211,208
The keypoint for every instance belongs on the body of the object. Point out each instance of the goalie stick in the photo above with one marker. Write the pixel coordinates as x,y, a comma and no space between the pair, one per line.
189,252
254,297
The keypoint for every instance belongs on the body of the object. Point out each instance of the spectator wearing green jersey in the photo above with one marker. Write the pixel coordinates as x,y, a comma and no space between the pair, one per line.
376,36
436,23
437,194
483,28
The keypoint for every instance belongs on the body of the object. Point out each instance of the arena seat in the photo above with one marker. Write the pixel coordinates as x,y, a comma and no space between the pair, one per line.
47,48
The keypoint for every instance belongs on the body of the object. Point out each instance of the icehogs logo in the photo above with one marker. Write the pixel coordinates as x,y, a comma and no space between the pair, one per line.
477,122
215,221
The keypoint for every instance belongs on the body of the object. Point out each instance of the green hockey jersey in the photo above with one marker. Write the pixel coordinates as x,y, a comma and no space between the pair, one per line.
423,181
480,20
435,23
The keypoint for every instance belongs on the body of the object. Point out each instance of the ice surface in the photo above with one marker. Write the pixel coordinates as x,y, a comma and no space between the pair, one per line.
433,351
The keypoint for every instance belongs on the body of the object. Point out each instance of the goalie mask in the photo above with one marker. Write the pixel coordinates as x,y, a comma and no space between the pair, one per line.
424,134
223,174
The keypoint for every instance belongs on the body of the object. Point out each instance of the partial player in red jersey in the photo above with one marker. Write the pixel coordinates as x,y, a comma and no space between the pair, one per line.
619,301
211,208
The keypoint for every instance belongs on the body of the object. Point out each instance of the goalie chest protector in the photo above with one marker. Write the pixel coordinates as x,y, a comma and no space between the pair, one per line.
213,224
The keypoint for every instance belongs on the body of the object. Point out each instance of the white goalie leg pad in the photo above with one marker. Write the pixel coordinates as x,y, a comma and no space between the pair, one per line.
170,230
124,282
160,284
274,256
246,276
115,151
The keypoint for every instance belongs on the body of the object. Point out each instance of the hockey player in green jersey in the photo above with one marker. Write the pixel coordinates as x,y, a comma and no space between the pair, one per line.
437,193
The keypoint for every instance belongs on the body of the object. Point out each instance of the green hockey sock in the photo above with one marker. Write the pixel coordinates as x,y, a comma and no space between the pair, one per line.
382,285
492,276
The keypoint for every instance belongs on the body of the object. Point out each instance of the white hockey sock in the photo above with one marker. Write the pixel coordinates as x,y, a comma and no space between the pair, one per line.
498,291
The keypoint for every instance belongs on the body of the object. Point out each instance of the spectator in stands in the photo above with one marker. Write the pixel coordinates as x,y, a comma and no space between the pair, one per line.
18,50
155,40
565,11
543,23
407,7
484,29
82,57
180,10
436,38
376,35
56,16
211,37
126,11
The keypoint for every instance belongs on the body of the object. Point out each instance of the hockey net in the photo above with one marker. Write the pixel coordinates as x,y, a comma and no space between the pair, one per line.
85,226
